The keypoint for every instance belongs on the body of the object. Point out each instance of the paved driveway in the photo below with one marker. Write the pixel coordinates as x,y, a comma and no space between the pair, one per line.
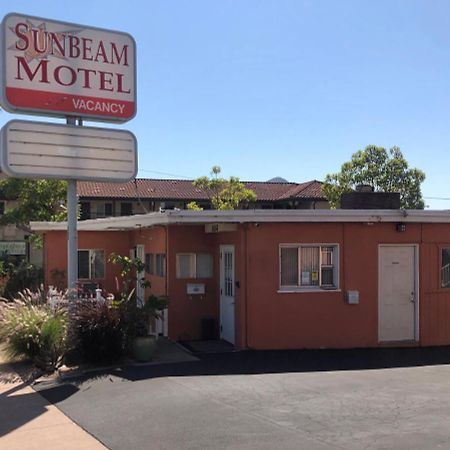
270,400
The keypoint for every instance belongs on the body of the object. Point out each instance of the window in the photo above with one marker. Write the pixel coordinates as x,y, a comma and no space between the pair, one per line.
445,268
204,265
160,265
85,210
126,209
309,266
91,264
104,210
185,265
194,265
149,264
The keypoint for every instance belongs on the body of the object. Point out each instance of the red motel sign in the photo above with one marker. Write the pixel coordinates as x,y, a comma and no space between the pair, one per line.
62,69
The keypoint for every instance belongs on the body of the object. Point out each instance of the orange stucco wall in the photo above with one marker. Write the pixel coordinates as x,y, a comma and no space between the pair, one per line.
265,317
324,319
154,240
185,311
55,253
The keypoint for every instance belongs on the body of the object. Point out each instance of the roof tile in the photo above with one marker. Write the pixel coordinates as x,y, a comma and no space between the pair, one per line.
164,189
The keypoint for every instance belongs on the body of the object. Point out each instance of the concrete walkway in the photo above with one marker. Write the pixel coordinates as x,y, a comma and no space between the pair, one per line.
28,421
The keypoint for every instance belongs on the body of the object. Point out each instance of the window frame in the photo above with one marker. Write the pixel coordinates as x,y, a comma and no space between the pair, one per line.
126,205
160,263
90,267
150,263
441,249
309,288
194,269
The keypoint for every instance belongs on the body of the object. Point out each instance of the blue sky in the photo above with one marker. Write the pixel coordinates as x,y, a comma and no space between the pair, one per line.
268,88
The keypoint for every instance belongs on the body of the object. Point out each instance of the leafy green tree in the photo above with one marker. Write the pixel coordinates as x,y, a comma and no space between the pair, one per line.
385,171
224,194
194,206
35,200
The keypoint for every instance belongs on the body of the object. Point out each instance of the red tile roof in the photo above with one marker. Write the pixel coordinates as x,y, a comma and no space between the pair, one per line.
154,189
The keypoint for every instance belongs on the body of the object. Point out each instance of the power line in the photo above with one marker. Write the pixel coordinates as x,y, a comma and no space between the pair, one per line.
166,173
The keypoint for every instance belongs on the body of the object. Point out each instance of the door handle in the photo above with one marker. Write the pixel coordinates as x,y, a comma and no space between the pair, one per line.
412,298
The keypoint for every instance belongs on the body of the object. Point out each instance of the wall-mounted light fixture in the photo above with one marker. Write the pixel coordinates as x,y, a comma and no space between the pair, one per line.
400,227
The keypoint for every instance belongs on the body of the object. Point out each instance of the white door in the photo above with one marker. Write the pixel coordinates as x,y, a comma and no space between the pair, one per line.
140,277
397,293
227,293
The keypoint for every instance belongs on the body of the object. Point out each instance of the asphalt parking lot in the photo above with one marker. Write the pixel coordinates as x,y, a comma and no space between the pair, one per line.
348,399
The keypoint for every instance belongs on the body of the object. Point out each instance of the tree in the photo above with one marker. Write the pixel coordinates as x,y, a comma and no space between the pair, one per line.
385,171
36,200
224,194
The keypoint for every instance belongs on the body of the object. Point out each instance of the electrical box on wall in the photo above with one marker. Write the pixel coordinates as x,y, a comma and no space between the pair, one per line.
353,297
195,289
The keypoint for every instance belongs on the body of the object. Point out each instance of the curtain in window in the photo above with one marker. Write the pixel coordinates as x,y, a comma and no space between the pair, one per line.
204,265
185,265
98,264
309,270
160,265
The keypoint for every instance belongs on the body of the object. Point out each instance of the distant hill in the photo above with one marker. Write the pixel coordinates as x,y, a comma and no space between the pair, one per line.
278,180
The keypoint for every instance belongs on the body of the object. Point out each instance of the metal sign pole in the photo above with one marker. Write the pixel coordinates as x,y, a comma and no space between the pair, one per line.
72,237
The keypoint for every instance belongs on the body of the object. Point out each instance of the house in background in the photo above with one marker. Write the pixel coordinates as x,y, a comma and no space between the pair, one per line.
149,195
277,279
14,240
99,200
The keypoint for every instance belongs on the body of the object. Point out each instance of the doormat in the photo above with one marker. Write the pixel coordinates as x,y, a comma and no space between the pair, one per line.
209,346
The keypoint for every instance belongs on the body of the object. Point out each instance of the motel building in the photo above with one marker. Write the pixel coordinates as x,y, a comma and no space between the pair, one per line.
279,279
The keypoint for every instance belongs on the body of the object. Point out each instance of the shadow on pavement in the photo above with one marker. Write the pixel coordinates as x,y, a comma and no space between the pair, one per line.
19,406
277,361
17,409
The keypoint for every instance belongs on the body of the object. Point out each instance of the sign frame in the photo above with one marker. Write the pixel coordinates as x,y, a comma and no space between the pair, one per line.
12,108
71,154
15,246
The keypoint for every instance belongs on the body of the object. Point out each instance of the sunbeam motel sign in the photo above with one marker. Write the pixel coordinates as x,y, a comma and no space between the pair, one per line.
63,69
53,68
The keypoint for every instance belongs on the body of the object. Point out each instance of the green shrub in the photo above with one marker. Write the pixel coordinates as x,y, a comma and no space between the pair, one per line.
19,275
31,328
97,331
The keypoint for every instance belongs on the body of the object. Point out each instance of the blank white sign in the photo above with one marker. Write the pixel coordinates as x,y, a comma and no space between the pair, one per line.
44,150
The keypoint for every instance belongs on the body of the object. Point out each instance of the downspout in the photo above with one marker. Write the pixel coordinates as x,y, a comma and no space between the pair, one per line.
342,254
246,284
166,278
166,287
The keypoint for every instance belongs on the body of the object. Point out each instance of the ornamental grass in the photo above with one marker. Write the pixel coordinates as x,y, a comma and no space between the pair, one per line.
33,328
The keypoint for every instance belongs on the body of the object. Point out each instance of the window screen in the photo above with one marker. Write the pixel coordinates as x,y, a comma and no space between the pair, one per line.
186,265
445,268
204,266
289,266
309,266
83,264
149,263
